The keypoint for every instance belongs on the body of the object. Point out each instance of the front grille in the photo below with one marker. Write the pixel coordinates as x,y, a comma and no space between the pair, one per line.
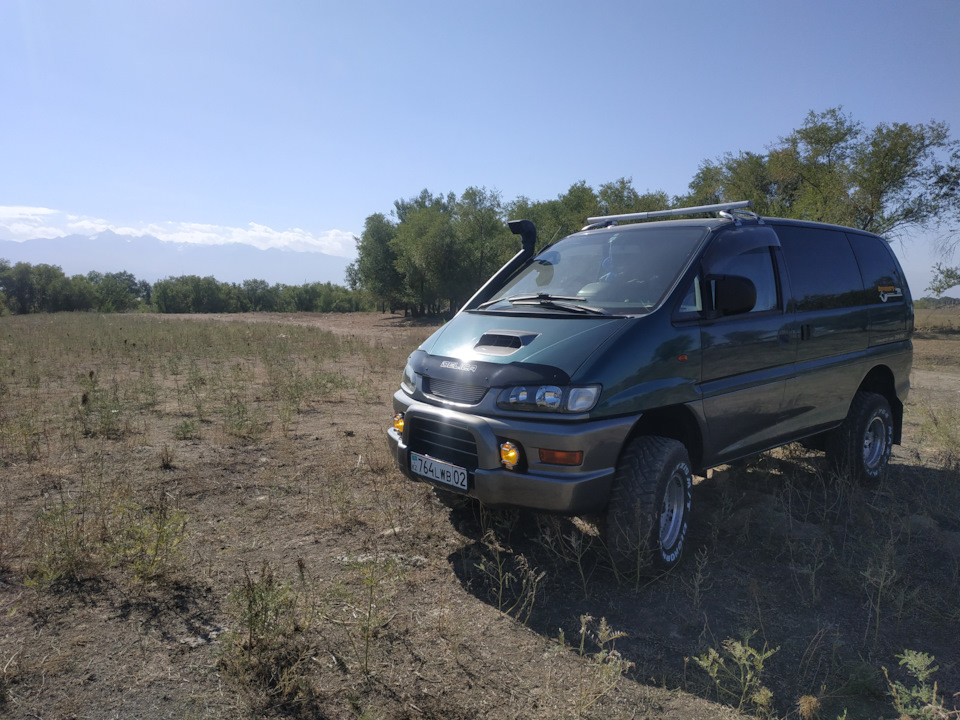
453,391
441,441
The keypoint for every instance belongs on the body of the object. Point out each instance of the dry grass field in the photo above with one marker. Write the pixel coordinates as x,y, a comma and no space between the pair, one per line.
199,518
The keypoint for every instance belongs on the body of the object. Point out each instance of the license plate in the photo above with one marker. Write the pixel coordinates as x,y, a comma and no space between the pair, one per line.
439,471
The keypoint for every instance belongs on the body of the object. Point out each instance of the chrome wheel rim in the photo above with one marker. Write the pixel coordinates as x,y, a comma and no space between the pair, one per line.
874,442
671,510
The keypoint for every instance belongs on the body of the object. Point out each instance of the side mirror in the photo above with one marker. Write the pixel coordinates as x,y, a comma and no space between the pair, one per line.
732,294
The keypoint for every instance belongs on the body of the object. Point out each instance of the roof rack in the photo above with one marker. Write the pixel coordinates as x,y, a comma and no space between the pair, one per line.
723,208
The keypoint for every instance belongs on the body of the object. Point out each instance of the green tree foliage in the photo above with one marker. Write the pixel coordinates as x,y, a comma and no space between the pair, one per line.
885,180
194,294
374,271
442,248
33,288
890,179
620,197
948,185
26,288
486,241
428,255
944,278
117,292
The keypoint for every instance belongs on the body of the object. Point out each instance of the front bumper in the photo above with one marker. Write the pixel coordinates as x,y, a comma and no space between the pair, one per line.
539,486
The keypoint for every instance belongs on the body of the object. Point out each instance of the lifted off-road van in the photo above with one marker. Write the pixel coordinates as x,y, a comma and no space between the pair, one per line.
598,375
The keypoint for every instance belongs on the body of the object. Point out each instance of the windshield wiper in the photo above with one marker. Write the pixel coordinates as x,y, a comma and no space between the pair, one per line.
518,298
556,302
569,307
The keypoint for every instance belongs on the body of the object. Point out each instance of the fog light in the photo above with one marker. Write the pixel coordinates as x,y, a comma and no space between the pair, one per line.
509,455
561,457
398,422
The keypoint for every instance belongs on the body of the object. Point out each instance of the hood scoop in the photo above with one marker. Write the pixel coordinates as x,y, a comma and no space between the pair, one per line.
504,342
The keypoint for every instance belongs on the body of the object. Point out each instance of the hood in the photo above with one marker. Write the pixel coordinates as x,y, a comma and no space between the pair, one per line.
560,342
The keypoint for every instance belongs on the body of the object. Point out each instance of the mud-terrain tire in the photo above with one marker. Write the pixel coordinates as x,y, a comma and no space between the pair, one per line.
861,445
648,518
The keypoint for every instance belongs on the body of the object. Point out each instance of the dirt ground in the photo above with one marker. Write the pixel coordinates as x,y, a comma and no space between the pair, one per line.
309,579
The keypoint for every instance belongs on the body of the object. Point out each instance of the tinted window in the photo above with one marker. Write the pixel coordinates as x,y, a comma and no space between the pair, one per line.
757,266
692,302
822,268
881,278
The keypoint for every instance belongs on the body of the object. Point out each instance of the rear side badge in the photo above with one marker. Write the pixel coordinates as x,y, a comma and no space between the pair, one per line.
889,291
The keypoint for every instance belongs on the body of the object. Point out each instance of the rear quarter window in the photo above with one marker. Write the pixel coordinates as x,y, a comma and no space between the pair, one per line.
882,281
822,268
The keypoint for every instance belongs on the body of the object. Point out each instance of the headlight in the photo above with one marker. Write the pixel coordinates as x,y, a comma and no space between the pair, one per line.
549,398
408,381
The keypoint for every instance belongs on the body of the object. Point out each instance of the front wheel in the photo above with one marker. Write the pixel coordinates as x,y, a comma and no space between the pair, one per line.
648,517
862,444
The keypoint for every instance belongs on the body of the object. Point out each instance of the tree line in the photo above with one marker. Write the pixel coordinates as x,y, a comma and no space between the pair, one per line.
433,251
27,288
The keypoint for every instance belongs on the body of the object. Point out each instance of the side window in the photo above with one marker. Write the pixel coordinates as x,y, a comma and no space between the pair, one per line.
757,265
881,277
692,302
823,271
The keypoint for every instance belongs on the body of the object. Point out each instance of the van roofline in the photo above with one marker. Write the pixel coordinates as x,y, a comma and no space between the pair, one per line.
716,222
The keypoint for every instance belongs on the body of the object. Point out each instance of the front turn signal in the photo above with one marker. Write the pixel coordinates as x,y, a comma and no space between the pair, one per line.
561,457
398,422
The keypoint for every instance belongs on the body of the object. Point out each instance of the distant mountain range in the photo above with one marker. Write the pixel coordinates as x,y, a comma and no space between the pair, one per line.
151,259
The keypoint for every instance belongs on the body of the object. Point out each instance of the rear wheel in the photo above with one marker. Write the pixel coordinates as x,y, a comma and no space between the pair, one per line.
648,517
861,446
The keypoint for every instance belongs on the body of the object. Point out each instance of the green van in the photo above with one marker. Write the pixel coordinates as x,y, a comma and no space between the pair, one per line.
600,374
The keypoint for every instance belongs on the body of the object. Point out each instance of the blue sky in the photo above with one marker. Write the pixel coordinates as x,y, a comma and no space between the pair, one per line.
286,123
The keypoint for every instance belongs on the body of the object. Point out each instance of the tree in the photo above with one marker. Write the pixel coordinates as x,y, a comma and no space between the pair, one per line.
948,184
619,197
482,235
424,200
116,292
29,288
557,218
374,271
173,295
426,248
885,180
76,293
944,278
259,296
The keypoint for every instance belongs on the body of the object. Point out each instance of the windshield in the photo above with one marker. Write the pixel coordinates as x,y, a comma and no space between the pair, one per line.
611,271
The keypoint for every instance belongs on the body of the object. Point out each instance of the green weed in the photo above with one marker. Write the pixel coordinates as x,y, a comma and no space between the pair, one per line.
365,611
510,579
148,539
268,652
921,700
598,671
737,674
187,430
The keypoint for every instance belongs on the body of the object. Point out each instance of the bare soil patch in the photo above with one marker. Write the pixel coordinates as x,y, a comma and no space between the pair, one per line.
200,518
